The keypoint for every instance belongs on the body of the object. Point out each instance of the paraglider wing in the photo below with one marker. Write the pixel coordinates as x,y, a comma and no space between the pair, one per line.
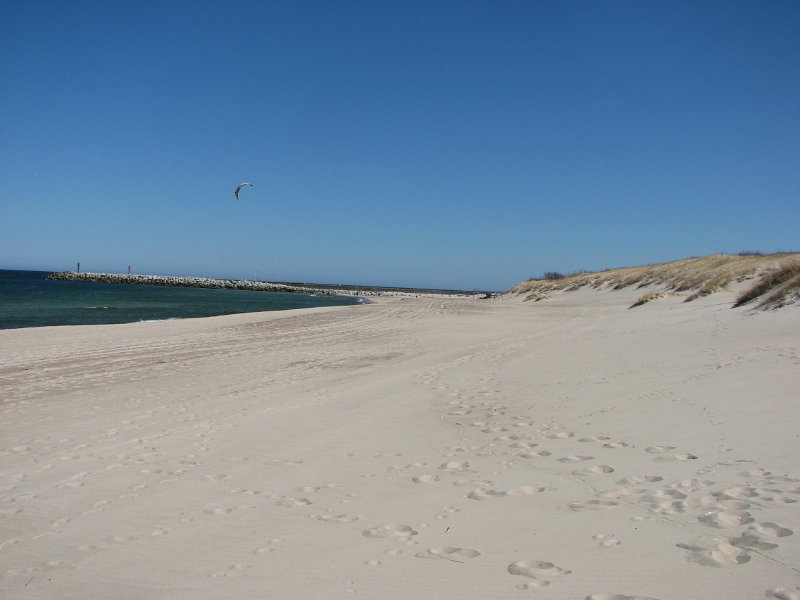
239,187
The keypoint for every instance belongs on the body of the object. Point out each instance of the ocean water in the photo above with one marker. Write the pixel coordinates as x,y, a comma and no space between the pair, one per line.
29,299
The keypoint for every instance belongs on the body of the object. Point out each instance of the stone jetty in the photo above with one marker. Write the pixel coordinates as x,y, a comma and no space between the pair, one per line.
255,286
199,282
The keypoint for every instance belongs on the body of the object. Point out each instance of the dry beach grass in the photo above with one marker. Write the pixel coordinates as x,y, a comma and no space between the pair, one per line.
413,448
696,277
776,287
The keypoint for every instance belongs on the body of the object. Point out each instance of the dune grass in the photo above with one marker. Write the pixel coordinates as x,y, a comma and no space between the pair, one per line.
775,288
694,277
647,298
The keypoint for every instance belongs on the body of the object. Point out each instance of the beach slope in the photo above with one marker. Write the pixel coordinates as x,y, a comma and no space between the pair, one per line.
410,448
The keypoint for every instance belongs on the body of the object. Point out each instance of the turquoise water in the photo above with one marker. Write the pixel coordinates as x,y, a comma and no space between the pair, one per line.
28,299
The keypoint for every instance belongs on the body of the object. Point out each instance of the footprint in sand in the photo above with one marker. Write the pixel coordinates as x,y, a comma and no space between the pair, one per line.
400,532
739,492
768,475
525,490
618,597
536,454
783,593
524,444
59,523
447,511
726,518
716,555
668,494
616,445
773,529
121,539
245,492
691,485
456,467
750,540
293,502
481,483
606,540
269,547
593,504
673,457
449,553
236,569
310,489
685,456
538,570
425,479
329,518
561,435
8,543
575,458
226,510
600,469
408,467
70,485
483,494
658,449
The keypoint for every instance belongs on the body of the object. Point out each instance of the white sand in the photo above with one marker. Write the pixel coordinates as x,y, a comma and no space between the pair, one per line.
412,448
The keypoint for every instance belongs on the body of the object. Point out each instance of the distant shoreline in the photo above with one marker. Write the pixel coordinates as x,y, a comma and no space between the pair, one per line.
256,286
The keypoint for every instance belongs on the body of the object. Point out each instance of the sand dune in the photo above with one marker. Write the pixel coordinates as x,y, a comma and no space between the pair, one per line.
771,280
411,448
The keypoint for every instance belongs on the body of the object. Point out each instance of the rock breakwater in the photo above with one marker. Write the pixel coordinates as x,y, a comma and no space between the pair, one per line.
199,282
255,286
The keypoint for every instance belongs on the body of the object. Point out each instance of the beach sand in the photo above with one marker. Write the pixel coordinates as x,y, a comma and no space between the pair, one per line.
411,448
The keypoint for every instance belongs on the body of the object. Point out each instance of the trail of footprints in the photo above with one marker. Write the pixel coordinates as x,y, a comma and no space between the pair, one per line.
730,512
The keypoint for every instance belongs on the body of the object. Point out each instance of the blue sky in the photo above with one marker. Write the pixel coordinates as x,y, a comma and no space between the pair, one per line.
442,144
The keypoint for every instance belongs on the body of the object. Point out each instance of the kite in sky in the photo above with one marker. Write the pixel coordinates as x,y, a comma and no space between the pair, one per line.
239,187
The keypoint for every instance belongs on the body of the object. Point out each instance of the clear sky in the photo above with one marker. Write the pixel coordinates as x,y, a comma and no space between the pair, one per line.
412,143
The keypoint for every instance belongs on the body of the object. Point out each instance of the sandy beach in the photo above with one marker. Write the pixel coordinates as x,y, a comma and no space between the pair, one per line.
413,448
